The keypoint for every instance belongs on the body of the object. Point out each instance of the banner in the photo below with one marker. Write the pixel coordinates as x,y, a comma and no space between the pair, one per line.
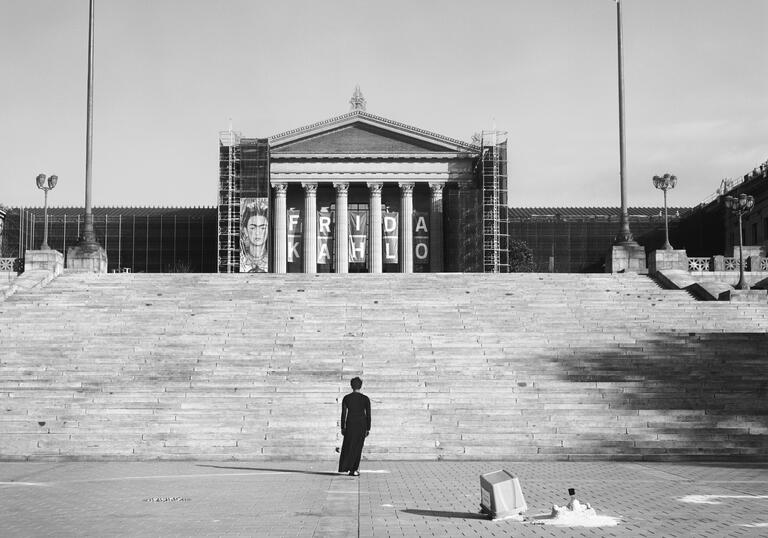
358,236
420,238
324,238
254,235
294,235
389,225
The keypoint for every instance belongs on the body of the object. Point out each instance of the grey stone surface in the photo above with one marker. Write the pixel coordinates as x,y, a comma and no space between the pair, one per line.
389,499
82,260
626,258
661,260
747,296
252,367
47,260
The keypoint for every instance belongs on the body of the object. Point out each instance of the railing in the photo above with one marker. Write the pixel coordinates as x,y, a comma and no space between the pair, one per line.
726,263
8,264
699,264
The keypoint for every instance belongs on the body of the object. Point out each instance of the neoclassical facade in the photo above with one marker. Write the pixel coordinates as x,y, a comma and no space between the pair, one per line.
360,193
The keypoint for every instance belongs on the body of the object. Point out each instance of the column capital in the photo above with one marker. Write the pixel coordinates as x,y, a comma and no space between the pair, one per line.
375,188
309,188
341,188
406,188
280,189
436,188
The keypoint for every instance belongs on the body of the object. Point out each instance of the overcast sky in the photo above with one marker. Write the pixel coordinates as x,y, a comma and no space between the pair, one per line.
170,73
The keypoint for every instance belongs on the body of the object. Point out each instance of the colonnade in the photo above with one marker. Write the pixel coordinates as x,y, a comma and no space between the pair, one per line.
375,233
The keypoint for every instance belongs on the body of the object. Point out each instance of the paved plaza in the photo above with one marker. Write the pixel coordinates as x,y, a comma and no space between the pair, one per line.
280,499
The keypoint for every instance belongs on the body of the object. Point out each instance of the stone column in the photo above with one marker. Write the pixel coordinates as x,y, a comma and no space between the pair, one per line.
342,228
375,205
406,227
281,233
310,227
436,228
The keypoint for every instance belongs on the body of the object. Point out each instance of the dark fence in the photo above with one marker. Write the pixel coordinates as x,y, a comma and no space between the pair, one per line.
149,240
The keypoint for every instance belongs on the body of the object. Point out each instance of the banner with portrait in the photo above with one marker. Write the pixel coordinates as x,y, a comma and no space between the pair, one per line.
420,238
294,229
390,229
324,238
254,235
358,236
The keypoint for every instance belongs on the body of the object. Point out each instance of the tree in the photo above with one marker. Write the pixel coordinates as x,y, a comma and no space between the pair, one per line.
520,257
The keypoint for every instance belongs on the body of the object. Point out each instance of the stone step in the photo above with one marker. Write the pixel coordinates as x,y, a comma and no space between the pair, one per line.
574,365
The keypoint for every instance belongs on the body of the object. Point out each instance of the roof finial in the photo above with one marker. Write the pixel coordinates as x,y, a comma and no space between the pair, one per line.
358,101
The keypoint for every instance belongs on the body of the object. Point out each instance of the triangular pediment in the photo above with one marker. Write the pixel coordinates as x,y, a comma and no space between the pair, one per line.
362,133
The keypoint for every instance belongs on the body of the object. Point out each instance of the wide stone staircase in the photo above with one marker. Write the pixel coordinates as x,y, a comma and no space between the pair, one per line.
458,366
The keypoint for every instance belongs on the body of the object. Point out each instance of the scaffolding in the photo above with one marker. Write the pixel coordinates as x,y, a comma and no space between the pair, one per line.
228,238
493,175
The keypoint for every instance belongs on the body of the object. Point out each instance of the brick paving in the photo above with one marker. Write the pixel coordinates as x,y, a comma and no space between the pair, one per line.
397,499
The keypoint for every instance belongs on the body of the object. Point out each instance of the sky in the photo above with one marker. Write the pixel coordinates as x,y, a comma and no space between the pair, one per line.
170,74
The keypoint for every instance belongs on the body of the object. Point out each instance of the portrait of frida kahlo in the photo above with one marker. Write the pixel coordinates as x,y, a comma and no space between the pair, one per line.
254,236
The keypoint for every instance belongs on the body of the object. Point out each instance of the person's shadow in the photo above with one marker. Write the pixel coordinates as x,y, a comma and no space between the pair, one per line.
276,470
446,513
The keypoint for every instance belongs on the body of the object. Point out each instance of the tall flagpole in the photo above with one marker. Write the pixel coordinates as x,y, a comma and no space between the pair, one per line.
624,236
88,255
89,236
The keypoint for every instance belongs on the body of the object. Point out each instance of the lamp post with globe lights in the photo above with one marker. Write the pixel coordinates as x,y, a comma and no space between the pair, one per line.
665,183
46,184
740,206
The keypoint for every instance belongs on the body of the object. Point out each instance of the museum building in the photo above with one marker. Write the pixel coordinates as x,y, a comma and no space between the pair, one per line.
362,193
396,197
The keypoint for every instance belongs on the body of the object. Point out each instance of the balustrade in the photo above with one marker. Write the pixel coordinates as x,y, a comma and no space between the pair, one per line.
7,264
726,263
699,264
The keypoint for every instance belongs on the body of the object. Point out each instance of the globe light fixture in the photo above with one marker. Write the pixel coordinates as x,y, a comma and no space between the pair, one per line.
740,206
46,184
665,182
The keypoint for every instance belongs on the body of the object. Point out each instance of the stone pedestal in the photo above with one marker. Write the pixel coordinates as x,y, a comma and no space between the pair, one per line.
48,260
749,250
629,258
85,260
665,260
745,296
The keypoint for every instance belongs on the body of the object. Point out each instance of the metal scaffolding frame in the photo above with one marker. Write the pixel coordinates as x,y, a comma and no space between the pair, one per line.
228,238
493,175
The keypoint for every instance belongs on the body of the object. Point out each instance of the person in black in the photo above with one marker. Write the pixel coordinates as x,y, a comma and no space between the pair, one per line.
355,426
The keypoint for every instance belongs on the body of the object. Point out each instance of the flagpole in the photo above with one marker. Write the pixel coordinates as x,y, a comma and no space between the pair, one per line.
625,235
89,236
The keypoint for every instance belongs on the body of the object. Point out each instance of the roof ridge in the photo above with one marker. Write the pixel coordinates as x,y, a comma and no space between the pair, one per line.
382,119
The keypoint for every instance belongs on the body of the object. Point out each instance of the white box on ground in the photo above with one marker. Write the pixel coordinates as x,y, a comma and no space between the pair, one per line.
501,495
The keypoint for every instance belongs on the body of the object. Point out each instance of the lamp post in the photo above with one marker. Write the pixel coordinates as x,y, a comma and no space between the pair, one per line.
739,206
46,184
665,182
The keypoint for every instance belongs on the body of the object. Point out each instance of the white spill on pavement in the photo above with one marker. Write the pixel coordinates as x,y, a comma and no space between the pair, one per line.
712,499
579,519
575,514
